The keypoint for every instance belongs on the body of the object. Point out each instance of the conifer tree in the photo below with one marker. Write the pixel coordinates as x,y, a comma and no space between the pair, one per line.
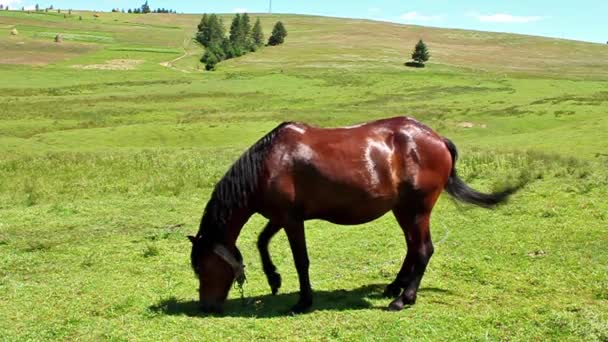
421,53
257,35
278,34
210,31
204,23
145,8
242,38
235,29
245,36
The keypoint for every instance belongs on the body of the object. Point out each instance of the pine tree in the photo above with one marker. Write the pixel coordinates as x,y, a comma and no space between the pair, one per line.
145,8
236,36
245,26
257,35
235,29
229,49
217,32
211,34
204,23
278,34
210,30
421,53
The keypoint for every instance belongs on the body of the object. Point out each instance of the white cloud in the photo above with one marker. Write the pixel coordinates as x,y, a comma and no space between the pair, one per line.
415,16
507,18
240,10
373,10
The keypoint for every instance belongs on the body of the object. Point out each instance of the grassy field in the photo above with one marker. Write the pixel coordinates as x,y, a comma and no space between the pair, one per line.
111,142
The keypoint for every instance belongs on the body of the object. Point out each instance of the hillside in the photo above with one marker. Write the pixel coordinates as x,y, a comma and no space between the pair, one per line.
315,42
111,143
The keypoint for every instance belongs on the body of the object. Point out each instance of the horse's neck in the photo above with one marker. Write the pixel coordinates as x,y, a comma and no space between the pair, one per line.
236,221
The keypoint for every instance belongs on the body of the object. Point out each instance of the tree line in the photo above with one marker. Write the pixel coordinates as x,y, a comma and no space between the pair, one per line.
145,9
140,11
243,38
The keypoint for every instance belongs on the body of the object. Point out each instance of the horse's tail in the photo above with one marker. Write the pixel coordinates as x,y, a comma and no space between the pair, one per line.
457,188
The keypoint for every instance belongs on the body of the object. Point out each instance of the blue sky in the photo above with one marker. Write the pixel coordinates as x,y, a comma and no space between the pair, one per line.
582,20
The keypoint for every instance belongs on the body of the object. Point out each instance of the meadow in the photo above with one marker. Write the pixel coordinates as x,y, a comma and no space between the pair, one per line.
111,143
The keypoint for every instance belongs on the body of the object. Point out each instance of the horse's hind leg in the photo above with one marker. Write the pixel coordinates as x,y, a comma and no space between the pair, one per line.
415,225
274,278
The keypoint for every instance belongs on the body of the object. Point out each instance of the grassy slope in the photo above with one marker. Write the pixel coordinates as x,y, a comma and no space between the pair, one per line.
102,173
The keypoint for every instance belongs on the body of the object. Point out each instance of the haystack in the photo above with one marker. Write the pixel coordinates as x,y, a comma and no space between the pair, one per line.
14,32
58,38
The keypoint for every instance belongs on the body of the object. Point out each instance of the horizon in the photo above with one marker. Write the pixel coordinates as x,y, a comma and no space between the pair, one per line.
543,18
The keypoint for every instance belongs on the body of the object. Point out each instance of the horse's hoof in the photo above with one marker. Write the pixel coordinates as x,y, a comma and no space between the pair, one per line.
274,280
392,291
300,309
409,298
396,305
402,301
303,306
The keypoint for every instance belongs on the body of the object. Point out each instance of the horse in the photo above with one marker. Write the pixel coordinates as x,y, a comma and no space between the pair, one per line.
347,176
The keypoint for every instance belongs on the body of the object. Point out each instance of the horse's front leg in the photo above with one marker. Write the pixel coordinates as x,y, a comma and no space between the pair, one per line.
297,242
274,278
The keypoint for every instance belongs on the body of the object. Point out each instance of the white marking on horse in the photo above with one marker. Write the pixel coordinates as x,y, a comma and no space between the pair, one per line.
411,153
303,152
282,155
370,164
293,127
354,126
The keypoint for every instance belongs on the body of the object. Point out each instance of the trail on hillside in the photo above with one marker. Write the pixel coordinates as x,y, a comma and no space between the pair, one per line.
187,53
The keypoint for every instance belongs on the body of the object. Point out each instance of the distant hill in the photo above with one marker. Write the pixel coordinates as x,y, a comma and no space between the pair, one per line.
313,42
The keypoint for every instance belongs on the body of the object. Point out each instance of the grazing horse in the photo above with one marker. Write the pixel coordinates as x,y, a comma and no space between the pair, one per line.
347,176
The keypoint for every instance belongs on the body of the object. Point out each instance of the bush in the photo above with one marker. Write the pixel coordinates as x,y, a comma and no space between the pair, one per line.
210,59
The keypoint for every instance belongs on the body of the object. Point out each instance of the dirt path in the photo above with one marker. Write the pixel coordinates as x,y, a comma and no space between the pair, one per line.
187,53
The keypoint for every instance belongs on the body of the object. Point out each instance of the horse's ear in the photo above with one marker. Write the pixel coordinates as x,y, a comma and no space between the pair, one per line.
191,238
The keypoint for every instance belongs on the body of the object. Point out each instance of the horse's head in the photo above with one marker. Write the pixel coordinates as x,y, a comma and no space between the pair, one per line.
216,267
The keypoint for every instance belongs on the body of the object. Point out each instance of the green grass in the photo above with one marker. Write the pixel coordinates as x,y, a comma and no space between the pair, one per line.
104,172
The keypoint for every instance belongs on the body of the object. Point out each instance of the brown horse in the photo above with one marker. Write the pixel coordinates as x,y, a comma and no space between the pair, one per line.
350,175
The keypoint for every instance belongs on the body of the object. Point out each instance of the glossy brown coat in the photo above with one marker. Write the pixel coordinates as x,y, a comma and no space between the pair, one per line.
350,175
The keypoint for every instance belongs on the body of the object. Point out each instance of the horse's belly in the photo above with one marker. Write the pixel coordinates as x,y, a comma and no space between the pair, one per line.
349,213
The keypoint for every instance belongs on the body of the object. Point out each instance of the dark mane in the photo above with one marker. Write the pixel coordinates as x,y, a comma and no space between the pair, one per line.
234,189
